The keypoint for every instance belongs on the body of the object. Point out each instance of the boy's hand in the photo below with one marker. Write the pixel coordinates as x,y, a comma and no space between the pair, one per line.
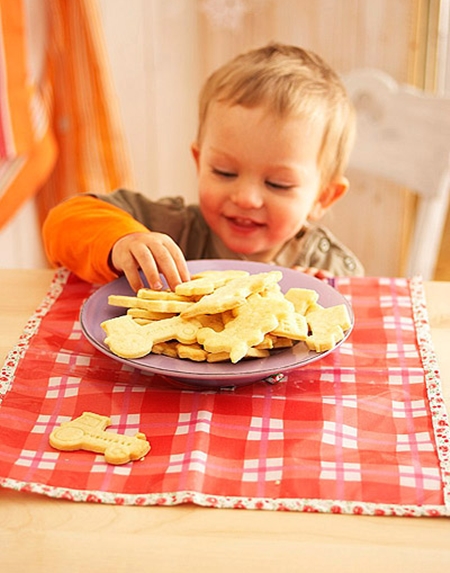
153,253
314,272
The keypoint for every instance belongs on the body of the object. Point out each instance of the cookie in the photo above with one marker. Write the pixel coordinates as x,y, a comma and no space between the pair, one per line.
302,299
148,315
293,327
87,432
168,348
207,282
153,305
254,319
151,294
127,339
328,326
193,352
232,294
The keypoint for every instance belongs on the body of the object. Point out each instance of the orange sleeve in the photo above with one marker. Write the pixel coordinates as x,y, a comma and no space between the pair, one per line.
80,233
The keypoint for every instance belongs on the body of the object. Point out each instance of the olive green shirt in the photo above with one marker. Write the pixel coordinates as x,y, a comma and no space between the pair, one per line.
313,246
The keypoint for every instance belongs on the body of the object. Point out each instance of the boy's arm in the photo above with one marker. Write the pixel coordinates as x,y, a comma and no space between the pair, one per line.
80,232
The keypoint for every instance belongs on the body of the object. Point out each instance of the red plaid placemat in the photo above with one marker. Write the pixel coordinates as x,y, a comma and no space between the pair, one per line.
363,430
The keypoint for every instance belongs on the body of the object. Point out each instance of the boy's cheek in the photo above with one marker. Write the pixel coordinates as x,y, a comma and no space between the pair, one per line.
208,199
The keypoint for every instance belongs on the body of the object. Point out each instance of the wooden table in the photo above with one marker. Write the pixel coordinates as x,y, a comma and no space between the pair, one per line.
39,534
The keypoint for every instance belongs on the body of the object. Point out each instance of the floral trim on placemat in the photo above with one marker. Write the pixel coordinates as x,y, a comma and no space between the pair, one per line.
438,409
230,502
15,354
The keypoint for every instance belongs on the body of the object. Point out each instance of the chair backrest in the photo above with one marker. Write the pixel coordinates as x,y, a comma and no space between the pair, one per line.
404,136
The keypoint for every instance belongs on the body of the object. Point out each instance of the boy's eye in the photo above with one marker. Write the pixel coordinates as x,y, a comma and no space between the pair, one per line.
223,173
274,185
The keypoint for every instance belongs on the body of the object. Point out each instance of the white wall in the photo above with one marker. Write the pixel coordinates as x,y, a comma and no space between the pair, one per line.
153,54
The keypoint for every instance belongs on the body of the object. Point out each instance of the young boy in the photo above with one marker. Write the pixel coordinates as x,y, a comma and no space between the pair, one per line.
275,131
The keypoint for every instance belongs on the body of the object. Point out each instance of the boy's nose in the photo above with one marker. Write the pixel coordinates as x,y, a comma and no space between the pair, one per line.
247,196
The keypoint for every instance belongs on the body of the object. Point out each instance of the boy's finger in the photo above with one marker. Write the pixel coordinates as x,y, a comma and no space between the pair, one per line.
134,278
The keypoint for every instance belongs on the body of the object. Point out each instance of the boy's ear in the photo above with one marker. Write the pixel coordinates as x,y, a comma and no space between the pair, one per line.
195,150
329,195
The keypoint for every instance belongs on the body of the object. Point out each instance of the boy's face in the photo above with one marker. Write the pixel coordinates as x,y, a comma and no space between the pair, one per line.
259,178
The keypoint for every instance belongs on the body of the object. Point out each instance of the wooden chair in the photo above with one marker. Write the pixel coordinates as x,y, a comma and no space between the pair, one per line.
403,136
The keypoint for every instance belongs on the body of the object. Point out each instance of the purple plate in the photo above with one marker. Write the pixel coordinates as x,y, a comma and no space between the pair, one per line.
200,374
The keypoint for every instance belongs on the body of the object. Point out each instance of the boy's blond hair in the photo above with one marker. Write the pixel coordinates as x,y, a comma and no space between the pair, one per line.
290,81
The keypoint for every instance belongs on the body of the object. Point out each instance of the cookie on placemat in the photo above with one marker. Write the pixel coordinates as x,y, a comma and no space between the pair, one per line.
87,432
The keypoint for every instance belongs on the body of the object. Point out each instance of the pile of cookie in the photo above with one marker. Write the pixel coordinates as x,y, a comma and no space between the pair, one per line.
223,316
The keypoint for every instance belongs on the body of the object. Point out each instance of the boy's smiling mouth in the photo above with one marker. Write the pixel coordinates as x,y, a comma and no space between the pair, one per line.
244,223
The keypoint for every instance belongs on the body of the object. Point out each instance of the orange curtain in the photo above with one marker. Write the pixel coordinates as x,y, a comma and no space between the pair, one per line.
92,153
64,136
27,146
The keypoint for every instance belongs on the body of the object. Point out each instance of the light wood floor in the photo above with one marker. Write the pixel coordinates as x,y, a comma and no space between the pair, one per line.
443,266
